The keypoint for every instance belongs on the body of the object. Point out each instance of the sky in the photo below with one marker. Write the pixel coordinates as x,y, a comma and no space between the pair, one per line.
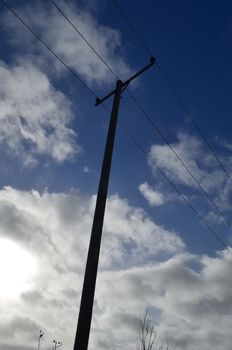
166,243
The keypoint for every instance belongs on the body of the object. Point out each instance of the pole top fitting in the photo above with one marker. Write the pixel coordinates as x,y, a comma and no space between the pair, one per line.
152,60
119,82
97,101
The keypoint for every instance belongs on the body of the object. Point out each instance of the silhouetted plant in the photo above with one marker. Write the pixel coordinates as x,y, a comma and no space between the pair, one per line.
148,337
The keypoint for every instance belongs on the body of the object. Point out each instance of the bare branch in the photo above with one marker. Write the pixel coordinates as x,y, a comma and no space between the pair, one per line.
148,338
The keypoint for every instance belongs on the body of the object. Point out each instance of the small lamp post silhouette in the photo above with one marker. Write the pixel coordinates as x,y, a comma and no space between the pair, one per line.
41,333
57,344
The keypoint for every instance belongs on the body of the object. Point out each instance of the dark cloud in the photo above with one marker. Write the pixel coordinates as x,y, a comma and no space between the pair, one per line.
13,222
70,293
32,297
25,326
15,347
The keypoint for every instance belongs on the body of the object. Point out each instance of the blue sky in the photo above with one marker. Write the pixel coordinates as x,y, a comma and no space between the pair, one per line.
156,253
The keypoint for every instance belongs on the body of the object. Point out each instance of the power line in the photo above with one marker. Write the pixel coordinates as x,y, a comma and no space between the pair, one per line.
158,131
194,122
82,36
171,86
176,189
150,120
47,47
128,134
132,28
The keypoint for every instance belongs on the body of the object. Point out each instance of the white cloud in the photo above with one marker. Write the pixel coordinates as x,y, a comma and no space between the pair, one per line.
86,170
154,198
202,165
34,115
55,228
68,45
189,295
128,231
132,238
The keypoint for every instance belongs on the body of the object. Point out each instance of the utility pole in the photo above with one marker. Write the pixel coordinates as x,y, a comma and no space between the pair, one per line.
87,298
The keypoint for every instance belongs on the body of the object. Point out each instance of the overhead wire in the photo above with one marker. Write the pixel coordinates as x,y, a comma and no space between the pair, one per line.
174,90
48,47
176,189
132,28
82,36
196,126
150,120
125,130
226,220
194,122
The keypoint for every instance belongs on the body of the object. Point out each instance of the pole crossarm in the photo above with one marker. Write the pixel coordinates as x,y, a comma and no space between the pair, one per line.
127,82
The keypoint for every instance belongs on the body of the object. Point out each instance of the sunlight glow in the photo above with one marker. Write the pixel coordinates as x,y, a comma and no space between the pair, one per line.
17,267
